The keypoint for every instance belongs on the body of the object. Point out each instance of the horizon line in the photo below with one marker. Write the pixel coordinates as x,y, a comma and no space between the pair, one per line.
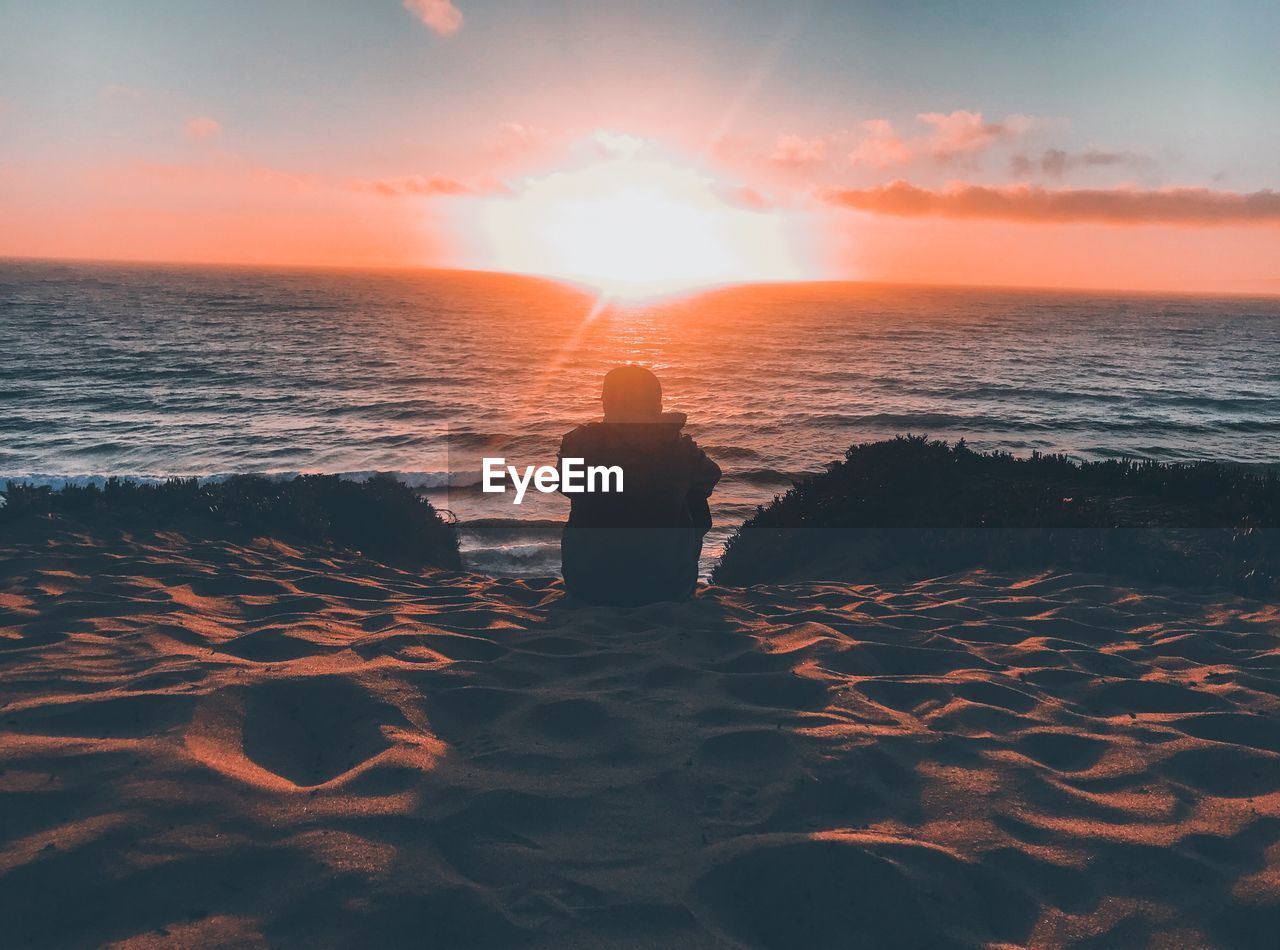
1267,293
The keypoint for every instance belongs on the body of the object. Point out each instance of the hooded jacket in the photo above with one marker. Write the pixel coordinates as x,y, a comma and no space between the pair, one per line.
641,544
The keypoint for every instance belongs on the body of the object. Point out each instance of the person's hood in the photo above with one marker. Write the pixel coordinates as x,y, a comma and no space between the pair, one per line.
665,428
676,419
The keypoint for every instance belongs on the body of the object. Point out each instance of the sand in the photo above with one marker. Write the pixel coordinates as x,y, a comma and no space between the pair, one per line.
212,741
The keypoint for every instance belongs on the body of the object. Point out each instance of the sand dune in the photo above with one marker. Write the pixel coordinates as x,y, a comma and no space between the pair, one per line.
205,741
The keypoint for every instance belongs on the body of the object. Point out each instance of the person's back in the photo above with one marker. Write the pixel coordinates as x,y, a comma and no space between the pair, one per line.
641,544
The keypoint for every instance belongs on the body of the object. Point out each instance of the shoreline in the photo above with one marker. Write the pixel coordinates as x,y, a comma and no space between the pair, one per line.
1056,495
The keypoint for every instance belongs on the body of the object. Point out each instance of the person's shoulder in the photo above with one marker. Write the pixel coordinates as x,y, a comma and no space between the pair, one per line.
685,448
579,435
687,443
702,462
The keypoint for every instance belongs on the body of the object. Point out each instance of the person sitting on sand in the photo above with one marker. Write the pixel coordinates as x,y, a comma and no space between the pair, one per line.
641,544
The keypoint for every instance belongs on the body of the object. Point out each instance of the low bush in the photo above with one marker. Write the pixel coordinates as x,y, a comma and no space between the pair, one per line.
381,517
911,502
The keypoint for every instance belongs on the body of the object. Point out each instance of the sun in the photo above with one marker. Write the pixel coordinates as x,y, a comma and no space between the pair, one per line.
633,219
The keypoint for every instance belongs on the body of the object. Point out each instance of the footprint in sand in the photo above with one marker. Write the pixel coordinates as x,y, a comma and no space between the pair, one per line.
304,732
1064,751
1258,732
777,690
115,717
1224,771
764,754
464,710
312,730
578,727
1149,696
271,645
853,892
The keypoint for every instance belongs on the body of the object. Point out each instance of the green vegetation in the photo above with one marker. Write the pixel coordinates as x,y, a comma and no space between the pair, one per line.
381,517
908,503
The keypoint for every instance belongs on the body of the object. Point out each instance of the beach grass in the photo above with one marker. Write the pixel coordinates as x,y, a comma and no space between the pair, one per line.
909,502
379,517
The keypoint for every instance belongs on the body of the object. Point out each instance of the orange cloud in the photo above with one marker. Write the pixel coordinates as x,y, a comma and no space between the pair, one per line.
440,16
963,132
792,151
882,148
429,186
955,136
1182,206
202,127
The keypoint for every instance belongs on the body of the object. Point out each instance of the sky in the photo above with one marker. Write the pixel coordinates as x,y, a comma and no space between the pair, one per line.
1086,144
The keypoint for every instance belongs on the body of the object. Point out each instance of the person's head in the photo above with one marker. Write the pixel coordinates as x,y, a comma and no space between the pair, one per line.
631,394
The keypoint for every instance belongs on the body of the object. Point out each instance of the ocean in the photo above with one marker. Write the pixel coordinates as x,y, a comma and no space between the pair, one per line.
155,371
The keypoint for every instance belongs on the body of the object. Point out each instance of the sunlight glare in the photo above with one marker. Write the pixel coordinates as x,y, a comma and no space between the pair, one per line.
634,221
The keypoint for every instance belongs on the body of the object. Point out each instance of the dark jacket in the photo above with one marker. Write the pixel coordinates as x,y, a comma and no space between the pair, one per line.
641,544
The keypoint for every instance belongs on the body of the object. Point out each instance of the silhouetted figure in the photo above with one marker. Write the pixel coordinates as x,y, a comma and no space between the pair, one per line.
641,544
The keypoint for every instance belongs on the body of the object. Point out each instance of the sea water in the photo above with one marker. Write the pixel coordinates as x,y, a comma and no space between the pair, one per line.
155,371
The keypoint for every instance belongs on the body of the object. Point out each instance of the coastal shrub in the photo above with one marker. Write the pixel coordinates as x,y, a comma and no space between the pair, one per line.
913,503
381,517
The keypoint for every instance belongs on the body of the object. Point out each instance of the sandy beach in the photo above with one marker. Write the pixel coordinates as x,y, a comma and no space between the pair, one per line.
222,740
